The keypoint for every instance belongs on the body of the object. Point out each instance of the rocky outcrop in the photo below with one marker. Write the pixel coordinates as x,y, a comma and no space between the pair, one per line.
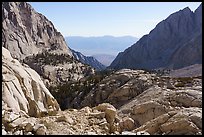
122,86
88,60
85,121
174,43
184,122
119,88
148,102
141,102
26,32
166,111
23,89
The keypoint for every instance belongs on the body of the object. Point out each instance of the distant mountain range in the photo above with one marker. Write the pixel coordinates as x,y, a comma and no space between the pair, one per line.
100,45
103,48
174,43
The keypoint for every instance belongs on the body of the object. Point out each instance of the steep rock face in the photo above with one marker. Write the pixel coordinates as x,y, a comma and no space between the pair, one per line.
31,38
88,60
188,54
23,89
167,45
26,32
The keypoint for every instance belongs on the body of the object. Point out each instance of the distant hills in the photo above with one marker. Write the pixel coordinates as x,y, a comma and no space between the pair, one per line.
100,45
104,48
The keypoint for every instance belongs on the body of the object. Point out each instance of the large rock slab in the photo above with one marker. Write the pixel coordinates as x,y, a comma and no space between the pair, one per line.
166,111
23,89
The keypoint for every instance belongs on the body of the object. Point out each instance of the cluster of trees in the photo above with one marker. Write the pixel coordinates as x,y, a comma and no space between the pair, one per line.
72,89
47,58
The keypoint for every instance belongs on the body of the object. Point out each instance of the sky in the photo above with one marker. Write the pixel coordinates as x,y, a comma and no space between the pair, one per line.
108,18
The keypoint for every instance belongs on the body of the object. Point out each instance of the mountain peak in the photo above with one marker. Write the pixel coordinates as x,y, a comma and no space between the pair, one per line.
164,46
199,9
186,9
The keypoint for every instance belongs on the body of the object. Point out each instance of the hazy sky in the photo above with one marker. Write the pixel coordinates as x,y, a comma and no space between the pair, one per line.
108,18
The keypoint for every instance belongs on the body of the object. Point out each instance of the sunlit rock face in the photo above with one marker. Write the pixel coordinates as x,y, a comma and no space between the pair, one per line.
23,89
26,32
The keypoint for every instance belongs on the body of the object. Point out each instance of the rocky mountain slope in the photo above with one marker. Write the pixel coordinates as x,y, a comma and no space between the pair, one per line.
122,86
32,38
88,60
174,43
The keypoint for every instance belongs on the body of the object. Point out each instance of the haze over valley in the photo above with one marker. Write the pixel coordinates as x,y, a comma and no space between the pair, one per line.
104,48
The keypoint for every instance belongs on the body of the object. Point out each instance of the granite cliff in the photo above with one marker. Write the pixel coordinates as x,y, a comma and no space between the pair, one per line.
32,39
23,89
26,32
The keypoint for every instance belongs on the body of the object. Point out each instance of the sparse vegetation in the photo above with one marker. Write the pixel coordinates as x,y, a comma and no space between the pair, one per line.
60,63
47,58
72,89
